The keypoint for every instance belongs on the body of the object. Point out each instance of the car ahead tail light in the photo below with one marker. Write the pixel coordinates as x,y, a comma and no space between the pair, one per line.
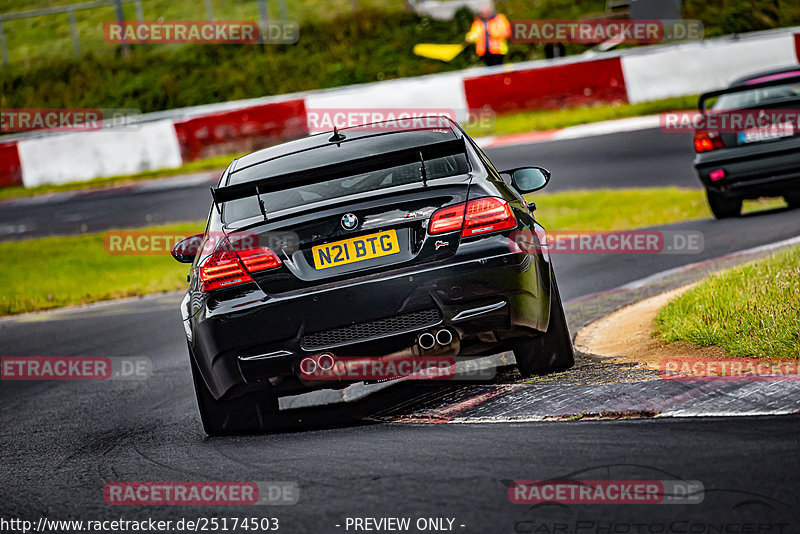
476,217
717,175
225,268
705,141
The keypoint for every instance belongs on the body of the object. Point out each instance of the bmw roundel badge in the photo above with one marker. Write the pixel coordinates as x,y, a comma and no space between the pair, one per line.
349,221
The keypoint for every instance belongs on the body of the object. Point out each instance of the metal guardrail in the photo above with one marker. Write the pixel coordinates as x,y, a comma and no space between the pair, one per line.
70,10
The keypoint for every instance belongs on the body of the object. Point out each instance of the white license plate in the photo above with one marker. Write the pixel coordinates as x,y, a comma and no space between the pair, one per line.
754,135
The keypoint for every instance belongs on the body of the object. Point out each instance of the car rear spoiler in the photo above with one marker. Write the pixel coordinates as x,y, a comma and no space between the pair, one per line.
352,167
701,104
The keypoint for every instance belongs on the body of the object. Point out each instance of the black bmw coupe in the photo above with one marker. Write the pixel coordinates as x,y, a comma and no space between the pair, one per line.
363,243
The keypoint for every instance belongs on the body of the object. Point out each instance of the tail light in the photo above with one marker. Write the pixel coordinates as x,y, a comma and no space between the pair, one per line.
705,141
480,216
486,215
226,269
447,219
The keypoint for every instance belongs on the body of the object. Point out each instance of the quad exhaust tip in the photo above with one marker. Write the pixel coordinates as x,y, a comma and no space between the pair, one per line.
325,362
308,366
426,340
444,337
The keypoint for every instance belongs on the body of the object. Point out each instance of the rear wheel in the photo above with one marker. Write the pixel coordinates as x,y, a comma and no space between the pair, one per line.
793,199
723,206
551,350
251,412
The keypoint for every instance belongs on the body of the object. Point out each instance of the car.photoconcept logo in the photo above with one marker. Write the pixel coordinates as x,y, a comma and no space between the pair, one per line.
349,221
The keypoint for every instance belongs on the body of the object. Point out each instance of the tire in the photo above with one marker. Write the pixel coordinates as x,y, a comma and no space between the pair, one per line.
723,207
551,350
252,412
793,199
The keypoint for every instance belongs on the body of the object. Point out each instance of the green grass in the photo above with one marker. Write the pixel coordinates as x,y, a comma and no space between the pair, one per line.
208,164
624,209
337,46
529,121
751,310
44,38
50,37
51,272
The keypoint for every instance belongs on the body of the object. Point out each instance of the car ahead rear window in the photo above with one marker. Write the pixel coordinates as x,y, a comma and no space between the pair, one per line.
237,210
777,94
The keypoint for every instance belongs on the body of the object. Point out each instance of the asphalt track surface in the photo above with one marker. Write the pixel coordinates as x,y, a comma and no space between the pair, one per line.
63,441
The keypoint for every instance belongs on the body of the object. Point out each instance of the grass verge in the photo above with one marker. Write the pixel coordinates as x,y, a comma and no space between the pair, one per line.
51,272
338,45
751,310
542,120
625,209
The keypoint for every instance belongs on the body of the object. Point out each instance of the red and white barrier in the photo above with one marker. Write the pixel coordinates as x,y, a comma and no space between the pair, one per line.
167,139
547,86
703,66
241,130
436,92
10,167
62,158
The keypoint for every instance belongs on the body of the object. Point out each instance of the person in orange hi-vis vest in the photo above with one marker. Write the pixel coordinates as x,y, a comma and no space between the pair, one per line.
492,28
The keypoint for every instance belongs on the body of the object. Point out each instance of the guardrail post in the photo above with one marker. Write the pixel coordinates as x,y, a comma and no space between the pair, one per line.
263,16
139,11
3,43
120,13
73,28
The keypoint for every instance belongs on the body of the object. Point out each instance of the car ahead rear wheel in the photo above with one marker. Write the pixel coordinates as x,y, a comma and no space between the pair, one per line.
551,350
722,206
793,199
251,412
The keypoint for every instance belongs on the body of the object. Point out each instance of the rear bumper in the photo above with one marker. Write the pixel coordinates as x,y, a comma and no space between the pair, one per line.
767,171
484,301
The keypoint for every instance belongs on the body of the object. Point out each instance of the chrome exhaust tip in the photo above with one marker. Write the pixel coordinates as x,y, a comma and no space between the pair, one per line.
325,362
426,340
444,337
308,366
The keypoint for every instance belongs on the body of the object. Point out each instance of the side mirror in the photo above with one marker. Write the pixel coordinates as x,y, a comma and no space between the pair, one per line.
186,249
529,179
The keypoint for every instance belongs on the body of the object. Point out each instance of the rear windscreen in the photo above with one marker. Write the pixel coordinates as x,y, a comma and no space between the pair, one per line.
777,94
245,208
